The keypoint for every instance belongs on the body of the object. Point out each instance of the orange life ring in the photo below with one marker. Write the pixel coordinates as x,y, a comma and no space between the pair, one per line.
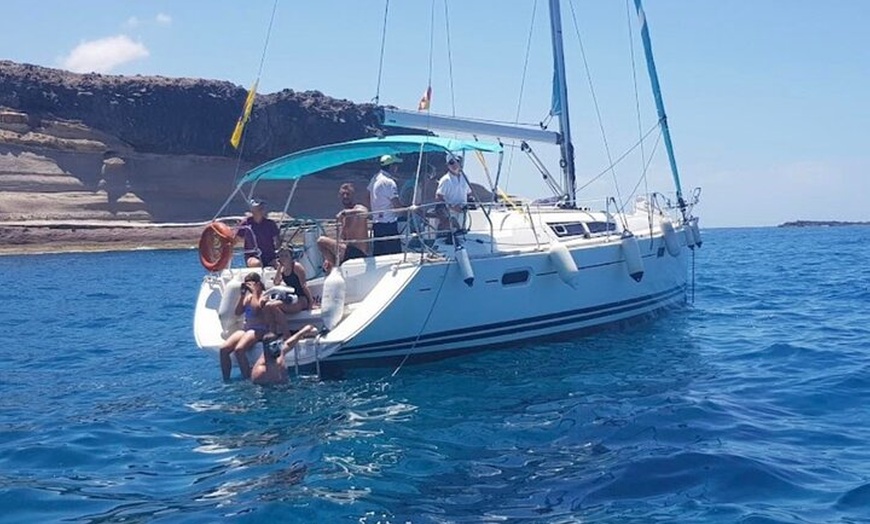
216,246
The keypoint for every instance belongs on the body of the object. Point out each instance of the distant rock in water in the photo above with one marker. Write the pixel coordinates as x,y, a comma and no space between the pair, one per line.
821,223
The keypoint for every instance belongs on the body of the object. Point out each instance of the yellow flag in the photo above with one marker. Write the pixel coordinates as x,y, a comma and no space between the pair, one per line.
236,139
425,100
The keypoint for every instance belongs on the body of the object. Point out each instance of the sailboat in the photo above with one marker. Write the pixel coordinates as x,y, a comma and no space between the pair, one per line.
511,271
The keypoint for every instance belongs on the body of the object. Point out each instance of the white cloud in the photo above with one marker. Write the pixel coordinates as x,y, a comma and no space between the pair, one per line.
132,23
163,19
104,55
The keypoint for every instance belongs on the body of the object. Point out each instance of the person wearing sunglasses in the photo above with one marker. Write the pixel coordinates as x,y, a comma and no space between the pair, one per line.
452,196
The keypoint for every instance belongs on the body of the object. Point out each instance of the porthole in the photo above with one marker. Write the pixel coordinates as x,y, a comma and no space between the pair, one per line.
512,278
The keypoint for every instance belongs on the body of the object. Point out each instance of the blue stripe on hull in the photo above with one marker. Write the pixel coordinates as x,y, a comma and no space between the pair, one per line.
480,334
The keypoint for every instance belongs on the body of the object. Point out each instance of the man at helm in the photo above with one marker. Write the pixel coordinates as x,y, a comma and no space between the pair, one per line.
384,198
452,193
261,236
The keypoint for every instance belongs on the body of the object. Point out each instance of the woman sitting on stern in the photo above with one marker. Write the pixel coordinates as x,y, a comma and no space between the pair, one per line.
251,303
292,274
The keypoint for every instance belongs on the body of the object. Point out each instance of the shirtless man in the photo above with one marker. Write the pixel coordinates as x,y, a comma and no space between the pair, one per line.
270,368
353,228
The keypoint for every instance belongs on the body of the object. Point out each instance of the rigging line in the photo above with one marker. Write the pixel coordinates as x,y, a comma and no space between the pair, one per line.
522,89
431,42
594,97
266,43
426,321
377,97
630,32
634,76
449,58
693,276
259,74
645,170
620,159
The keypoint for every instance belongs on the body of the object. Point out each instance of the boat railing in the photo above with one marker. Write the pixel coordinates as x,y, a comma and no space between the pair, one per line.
420,226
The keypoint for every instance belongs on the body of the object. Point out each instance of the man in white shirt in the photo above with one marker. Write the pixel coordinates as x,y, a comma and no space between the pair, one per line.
453,191
384,197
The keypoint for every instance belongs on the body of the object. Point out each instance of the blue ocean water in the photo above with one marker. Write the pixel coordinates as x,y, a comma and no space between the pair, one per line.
748,406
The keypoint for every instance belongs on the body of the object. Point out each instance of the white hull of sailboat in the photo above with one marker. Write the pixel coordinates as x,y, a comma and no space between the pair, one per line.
411,305
437,313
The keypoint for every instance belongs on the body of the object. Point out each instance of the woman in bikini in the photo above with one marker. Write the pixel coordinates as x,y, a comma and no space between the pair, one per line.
292,274
250,303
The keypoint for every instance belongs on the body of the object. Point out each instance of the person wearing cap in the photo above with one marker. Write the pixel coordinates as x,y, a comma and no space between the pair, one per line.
453,192
384,198
261,236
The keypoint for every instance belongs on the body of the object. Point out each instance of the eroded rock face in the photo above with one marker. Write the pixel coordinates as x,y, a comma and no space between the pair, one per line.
182,115
104,147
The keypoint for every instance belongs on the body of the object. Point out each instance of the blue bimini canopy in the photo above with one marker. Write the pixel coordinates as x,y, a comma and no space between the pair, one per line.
309,161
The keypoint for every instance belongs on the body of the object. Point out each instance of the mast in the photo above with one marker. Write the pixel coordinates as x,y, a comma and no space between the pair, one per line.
560,104
660,105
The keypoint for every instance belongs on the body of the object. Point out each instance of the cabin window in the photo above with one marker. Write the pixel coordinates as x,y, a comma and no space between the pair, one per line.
515,277
601,227
567,229
585,229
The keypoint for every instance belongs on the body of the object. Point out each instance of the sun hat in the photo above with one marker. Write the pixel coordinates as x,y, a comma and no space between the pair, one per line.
387,160
450,156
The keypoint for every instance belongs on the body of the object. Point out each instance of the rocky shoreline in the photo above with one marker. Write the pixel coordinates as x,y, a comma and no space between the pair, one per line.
40,238
106,162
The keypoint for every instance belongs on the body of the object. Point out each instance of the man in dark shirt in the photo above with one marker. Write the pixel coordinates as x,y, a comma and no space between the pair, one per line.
261,236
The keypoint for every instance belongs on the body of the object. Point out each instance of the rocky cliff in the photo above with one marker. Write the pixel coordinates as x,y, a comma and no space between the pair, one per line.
152,148
182,115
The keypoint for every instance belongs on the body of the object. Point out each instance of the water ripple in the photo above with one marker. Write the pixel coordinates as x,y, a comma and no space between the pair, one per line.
748,406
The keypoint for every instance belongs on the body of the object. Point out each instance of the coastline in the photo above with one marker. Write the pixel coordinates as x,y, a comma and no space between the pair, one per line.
822,223
34,238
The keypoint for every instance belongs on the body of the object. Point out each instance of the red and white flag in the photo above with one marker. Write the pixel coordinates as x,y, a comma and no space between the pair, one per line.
425,100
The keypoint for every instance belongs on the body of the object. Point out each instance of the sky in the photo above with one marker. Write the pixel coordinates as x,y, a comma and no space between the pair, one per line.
765,100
